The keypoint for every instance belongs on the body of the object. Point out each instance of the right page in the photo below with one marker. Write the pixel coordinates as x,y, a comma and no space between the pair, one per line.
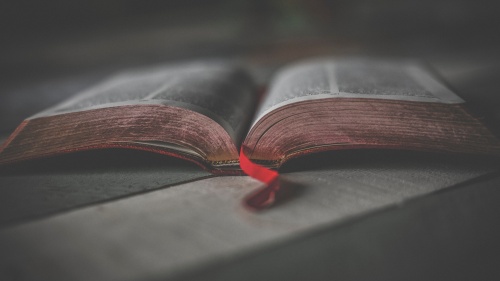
327,104
355,78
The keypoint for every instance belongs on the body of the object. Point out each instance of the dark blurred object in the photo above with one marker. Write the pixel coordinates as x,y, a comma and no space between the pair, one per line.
69,34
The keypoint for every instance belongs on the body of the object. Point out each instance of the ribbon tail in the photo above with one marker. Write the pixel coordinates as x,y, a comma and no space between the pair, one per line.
265,196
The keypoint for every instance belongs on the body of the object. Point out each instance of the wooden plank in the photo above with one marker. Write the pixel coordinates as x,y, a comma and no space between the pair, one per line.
201,224
452,235
40,188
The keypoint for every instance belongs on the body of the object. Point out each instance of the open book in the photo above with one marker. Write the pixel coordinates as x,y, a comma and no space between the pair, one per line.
204,112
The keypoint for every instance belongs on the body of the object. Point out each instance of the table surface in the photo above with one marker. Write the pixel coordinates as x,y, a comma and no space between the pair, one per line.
130,222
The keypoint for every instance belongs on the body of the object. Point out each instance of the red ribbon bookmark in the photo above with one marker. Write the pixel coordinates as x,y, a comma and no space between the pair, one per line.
265,196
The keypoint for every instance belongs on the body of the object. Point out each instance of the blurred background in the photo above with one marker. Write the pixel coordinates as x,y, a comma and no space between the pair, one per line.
54,48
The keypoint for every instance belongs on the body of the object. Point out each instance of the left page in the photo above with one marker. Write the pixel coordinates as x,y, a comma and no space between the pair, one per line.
195,111
220,90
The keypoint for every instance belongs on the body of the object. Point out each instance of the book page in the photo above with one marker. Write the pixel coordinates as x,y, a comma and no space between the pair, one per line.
221,91
355,78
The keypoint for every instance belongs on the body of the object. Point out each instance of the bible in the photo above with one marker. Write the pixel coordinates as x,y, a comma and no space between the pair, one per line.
205,112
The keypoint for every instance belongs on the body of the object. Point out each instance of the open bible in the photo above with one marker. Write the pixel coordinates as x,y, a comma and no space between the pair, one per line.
204,112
